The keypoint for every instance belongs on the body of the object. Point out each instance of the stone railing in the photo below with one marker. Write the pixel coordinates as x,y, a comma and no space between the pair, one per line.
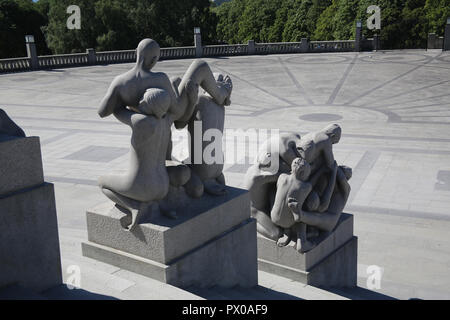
107,57
332,46
90,57
14,64
177,53
62,60
225,50
435,42
279,47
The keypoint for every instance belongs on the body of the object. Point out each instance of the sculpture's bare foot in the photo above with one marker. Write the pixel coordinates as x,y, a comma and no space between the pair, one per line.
214,188
137,214
285,240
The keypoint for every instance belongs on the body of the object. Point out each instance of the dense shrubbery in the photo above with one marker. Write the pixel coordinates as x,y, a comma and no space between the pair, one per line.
118,24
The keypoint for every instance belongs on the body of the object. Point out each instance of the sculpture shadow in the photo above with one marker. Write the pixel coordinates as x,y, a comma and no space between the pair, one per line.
359,293
239,293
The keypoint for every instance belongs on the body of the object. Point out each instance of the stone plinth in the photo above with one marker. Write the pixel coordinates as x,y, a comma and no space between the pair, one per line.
213,242
29,243
21,163
333,263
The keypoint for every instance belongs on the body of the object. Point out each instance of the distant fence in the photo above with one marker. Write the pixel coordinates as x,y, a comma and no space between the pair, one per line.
90,57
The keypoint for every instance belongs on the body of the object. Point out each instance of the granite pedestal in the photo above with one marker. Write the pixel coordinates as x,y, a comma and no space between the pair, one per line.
212,243
332,263
29,243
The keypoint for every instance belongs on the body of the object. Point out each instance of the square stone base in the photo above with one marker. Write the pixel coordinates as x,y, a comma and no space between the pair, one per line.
332,263
29,243
212,243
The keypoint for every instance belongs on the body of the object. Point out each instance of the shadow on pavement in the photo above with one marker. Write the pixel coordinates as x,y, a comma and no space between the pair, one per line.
239,293
61,292
359,293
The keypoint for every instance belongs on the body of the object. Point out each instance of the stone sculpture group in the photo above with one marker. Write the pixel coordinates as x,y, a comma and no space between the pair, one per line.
149,102
306,193
302,198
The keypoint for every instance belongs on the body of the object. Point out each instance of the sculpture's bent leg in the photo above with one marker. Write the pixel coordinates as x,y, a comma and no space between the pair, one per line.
136,209
200,74
303,245
265,226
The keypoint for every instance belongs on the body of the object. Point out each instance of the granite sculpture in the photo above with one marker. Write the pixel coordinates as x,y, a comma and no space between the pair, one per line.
173,220
305,197
149,102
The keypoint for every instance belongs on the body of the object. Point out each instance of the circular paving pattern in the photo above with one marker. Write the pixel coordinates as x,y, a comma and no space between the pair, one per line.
395,58
324,59
321,117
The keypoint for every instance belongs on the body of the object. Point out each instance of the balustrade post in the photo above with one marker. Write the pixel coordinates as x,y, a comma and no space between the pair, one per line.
32,52
91,56
198,43
431,43
304,45
358,36
251,47
376,42
446,46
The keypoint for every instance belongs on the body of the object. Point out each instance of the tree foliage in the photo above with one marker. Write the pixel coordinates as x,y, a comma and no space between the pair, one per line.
405,23
118,24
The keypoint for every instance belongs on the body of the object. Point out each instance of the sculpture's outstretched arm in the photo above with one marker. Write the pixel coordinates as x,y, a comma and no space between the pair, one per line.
199,74
110,103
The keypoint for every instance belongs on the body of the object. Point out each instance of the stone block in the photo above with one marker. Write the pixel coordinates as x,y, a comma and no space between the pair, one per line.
332,263
162,239
20,164
29,243
226,261
213,242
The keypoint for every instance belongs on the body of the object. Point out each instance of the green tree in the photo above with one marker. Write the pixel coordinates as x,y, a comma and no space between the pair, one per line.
60,39
436,12
17,19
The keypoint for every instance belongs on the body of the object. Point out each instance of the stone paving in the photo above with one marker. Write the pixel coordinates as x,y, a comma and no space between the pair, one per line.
393,106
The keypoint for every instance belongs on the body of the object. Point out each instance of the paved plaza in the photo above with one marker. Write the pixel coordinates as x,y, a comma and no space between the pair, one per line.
393,106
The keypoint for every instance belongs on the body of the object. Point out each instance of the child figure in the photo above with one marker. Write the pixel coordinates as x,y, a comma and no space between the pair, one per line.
292,191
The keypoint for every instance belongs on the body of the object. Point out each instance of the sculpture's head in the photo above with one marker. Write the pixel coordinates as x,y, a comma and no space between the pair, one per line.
301,169
156,102
306,149
148,52
333,131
